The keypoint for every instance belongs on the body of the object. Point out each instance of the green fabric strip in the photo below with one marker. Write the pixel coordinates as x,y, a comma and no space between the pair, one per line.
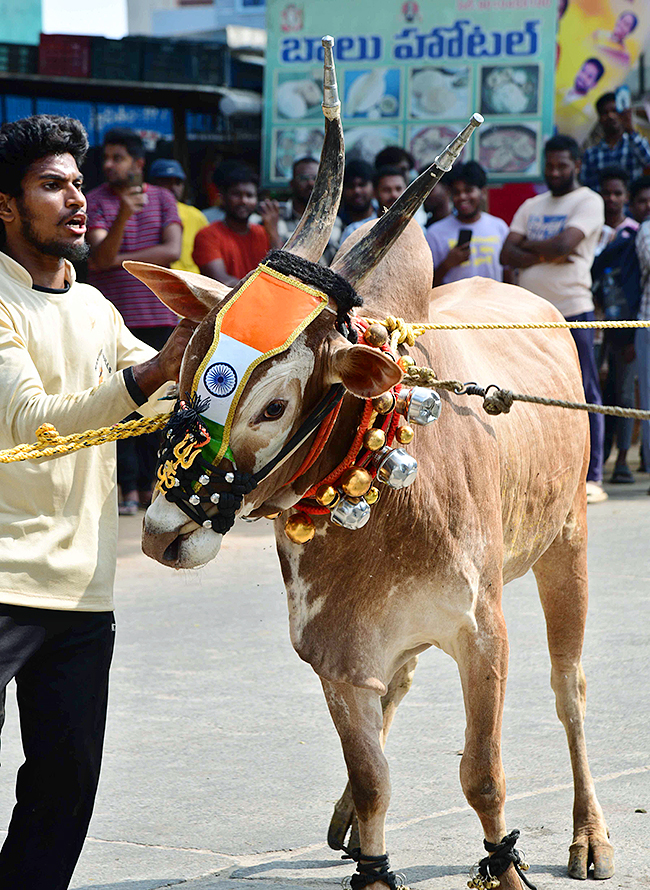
210,451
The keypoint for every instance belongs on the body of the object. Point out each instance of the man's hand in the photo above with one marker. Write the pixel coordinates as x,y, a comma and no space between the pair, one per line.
166,365
458,255
133,200
626,120
270,212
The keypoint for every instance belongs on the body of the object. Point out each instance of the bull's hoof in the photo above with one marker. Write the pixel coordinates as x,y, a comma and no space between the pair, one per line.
584,852
341,821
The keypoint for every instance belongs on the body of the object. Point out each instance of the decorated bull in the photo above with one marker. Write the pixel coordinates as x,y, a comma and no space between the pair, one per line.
290,405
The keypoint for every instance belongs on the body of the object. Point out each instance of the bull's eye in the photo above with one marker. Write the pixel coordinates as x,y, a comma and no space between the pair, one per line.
274,410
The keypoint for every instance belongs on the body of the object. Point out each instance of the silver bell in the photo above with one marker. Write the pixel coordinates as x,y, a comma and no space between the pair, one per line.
418,405
395,467
351,515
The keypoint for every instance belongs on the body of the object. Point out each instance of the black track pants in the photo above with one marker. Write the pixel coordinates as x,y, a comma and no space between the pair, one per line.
60,661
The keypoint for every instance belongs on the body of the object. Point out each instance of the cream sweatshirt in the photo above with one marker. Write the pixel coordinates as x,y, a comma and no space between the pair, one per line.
62,358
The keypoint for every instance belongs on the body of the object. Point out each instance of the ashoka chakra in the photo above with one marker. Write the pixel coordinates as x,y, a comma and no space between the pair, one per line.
221,380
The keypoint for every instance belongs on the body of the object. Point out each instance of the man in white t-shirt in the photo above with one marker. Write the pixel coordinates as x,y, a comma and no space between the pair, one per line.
552,241
477,251
66,357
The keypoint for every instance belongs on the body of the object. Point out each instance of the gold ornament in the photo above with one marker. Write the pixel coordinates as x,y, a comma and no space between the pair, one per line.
299,528
384,403
355,482
373,440
405,434
327,496
376,335
273,515
372,495
405,362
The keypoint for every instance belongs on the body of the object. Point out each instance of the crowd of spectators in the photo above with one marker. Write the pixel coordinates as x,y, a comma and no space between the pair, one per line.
583,243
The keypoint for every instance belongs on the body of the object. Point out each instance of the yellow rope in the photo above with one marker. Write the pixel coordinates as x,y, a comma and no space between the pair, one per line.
50,444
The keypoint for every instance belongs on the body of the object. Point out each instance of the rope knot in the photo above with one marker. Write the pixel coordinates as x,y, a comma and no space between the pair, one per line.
486,875
47,434
498,402
371,869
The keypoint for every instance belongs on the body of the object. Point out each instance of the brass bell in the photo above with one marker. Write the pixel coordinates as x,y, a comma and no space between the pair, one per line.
299,528
405,434
372,496
395,467
376,335
374,439
384,403
405,362
355,482
327,495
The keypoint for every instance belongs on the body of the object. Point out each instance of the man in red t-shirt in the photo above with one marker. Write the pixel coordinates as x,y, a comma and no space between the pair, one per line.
227,250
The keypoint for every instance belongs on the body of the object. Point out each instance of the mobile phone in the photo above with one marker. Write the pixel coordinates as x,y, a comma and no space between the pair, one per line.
464,237
135,179
623,98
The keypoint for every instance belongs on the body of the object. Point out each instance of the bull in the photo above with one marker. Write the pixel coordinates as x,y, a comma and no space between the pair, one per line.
493,498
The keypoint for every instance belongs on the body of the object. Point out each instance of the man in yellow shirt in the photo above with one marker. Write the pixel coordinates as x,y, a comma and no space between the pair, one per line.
170,175
66,357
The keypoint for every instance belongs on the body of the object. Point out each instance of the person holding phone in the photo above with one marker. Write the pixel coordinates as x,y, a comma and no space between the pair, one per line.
621,145
468,242
132,220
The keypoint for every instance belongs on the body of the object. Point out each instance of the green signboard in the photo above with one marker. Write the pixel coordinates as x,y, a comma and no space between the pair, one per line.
20,21
411,73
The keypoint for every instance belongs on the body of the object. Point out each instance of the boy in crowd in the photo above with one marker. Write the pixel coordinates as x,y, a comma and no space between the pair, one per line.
476,251
621,146
357,198
228,249
388,183
302,184
552,242
170,175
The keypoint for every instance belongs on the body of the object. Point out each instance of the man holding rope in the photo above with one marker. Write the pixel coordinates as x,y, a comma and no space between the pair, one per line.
66,357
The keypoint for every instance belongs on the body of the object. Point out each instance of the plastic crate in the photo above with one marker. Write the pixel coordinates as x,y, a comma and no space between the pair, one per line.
210,61
64,55
246,75
18,58
166,61
116,59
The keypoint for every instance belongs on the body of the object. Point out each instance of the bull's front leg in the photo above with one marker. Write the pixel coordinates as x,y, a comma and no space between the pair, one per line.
357,715
482,657
343,817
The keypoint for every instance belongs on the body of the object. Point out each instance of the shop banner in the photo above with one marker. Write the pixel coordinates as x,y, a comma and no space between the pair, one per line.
598,41
411,72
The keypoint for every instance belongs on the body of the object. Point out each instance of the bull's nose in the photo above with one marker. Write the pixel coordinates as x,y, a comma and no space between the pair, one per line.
162,546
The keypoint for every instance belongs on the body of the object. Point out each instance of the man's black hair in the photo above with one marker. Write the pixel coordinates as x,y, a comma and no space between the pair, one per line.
234,174
563,143
26,141
613,172
307,159
643,182
128,139
392,156
471,172
358,169
381,172
605,99
599,65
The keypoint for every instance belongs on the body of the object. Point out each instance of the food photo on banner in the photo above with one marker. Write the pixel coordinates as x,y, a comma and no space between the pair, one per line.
410,73
598,42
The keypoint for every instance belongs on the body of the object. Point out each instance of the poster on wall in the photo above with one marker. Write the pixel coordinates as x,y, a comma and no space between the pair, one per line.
410,73
598,42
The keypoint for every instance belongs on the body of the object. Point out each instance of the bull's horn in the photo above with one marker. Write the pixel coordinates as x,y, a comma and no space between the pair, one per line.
312,233
366,253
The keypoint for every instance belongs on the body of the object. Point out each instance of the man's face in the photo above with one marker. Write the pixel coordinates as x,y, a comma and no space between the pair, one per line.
610,119
560,172
175,185
586,78
388,190
303,181
357,194
614,194
240,200
624,25
50,215
466,199
438,202
640,205
119,165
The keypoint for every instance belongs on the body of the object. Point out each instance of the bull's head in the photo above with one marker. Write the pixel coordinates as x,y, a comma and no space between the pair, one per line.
297,355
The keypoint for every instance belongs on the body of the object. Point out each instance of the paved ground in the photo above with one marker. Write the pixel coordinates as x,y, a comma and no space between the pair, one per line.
222,765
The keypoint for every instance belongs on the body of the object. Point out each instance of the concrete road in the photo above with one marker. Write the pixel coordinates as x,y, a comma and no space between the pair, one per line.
222,765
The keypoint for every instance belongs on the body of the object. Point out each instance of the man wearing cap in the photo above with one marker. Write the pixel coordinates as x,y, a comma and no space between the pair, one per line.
169,174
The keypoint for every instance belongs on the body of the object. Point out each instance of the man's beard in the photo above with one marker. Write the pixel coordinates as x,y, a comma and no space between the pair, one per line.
76,253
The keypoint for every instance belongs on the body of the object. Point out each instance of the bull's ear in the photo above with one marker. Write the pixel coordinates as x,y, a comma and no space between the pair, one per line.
364,372
185,293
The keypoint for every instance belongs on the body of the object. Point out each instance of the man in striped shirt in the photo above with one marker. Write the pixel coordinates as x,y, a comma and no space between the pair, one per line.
131,221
